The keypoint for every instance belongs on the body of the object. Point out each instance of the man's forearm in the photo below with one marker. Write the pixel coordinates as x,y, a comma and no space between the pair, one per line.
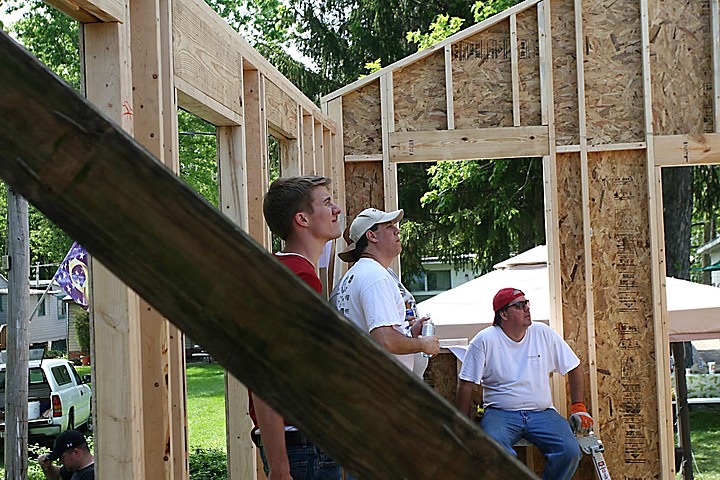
463,398
272,432
398,344
576,379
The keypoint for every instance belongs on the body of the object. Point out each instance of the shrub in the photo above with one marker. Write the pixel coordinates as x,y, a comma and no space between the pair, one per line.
82,329
208,464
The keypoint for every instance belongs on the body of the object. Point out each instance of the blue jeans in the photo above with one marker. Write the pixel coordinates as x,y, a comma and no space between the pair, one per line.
547,430
308,462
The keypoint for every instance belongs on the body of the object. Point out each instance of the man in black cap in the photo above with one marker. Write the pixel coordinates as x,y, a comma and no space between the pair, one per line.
72,451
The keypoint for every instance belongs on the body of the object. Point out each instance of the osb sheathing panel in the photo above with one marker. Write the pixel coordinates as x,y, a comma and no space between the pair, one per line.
564,72
363,188
529,67
681,63
441,375
613,72
362,132
419,92
572,271
624,327
482,79
572,257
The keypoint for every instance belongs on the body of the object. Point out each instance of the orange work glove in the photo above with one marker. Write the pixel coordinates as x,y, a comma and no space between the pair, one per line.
580,421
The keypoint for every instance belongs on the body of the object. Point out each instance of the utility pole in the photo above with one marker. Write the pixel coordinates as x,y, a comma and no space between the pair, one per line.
18,339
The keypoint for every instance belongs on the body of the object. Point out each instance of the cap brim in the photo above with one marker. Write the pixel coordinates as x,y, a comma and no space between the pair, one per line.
348,254
395,216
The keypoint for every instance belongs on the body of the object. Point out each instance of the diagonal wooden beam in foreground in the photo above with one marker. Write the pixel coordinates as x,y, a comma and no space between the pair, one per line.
210,279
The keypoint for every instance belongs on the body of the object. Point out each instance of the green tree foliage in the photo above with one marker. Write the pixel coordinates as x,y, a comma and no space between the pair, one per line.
198,150
49,35
341,36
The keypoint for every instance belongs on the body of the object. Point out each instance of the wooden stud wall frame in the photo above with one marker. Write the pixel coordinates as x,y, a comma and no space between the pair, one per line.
607,95
183,55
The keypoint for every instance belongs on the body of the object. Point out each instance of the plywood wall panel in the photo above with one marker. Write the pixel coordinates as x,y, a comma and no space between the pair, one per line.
364,187
613,72
482,79
419,93
572,273
572,256
624,327
529,67
564,72
362,132
681,63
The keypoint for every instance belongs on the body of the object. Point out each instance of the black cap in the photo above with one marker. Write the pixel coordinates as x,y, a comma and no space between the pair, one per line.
66,440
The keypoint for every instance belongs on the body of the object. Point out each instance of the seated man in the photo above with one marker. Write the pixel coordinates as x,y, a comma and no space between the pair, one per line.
512,360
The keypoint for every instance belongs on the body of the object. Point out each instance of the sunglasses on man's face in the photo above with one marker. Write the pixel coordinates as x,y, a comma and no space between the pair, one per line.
520,305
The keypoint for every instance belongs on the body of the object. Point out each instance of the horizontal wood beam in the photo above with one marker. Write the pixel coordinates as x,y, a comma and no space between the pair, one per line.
678,150
205,107
507,142
176,250
86,11
233,42
363,158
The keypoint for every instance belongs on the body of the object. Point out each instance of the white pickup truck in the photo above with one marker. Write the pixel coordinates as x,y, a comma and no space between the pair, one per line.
58,399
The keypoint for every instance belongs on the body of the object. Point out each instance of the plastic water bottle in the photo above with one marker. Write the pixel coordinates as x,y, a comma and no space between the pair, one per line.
428,330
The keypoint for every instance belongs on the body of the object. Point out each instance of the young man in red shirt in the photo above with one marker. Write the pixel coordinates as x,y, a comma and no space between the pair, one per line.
300,211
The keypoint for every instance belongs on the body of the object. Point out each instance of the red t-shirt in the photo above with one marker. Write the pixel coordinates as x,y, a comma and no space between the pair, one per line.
301,267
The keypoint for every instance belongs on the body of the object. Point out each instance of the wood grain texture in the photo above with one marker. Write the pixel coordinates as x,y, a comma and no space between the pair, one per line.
508,142
159,236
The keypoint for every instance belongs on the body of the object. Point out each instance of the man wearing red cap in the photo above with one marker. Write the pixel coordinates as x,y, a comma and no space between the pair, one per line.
512,360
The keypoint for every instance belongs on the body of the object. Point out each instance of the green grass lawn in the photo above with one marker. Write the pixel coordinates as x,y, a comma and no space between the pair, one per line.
206,405
705,439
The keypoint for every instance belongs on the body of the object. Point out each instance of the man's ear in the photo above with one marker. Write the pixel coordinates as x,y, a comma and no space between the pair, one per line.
372,238
301,219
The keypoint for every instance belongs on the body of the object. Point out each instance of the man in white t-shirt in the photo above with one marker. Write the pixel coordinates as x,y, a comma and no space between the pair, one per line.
512,360
369,295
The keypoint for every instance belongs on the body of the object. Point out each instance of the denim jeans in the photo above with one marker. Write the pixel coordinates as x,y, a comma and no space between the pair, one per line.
307,462
547,430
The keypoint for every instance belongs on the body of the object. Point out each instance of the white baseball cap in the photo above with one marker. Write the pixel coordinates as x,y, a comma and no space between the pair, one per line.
364,222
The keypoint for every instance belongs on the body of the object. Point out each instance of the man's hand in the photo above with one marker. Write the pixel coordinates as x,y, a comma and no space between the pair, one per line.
580,421
430,345
51,471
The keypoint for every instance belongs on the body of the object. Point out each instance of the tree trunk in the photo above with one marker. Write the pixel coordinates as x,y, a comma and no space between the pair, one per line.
677,202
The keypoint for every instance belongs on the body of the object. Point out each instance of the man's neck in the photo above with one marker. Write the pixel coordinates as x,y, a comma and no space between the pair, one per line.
515,335
310,251
378,258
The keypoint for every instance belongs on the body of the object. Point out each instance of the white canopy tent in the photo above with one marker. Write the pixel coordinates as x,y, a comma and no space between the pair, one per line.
693,309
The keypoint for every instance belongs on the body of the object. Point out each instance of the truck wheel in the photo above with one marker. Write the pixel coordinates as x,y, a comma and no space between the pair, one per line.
88,425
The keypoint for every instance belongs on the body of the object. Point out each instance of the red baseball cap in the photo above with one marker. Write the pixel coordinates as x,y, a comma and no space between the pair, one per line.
504,297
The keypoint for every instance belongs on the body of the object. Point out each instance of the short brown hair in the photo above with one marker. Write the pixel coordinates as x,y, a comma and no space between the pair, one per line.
286,197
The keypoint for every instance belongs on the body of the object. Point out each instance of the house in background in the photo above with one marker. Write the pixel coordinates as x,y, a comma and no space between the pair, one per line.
438,276
712,248
49,325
